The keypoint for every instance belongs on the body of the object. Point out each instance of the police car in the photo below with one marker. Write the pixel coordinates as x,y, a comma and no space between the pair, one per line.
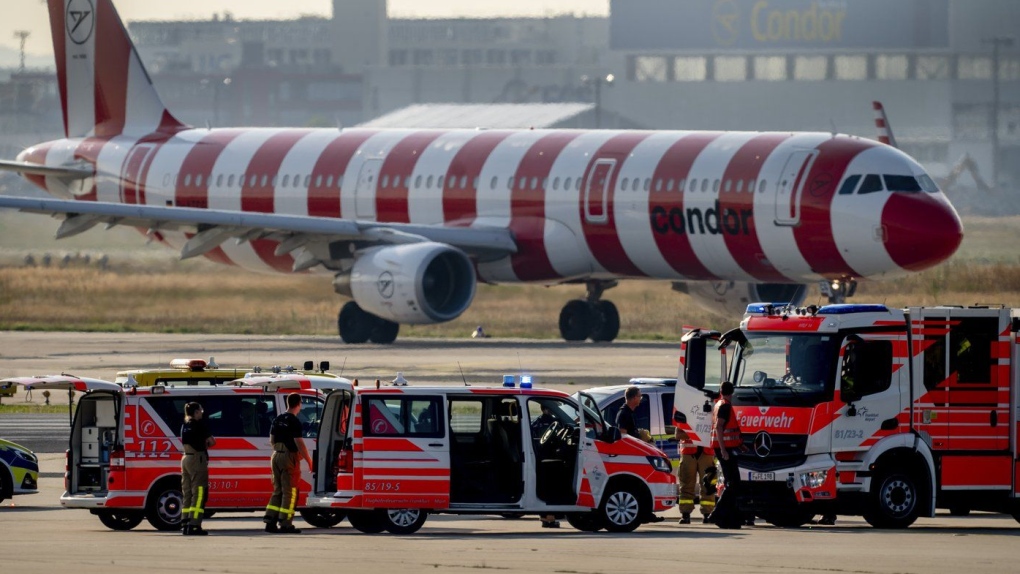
655,412
19,470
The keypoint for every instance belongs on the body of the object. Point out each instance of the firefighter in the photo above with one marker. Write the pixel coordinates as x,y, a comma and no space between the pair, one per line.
194,469
694,464
727,443
288,452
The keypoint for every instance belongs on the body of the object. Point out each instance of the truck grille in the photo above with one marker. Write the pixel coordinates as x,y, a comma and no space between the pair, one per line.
780,451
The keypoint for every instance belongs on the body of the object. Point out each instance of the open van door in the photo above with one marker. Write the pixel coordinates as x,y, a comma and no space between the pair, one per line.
333,450
67,383
702,370
591,475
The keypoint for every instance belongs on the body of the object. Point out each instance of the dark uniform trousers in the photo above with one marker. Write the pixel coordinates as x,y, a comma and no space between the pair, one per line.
194,485
690,473
286,477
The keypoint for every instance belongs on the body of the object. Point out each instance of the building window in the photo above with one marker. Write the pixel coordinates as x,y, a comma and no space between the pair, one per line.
932,68
851,67
770,68
398,57
520,57
974,68
730,68
650,69
545,57
424,57
1009,69
889,67
495,57
449,57
690,69
810,67
471,57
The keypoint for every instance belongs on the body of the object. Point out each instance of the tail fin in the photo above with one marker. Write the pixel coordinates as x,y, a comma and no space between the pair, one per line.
104,89
885,134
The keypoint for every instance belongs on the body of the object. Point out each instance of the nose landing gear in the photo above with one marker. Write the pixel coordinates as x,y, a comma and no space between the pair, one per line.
838,290
590,318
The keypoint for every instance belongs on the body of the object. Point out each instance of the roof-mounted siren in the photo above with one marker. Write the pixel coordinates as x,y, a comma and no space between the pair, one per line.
508,381
849,308
309,366
188,364
885,134
766,308
525,381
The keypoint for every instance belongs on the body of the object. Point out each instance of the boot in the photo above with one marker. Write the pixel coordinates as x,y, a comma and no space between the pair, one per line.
685,518
185,529
289,529
198,531
271,527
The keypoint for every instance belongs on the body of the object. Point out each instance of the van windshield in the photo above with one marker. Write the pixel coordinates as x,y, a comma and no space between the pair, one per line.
785,369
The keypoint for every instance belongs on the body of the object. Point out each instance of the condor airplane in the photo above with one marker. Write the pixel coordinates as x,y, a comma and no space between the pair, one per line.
408,221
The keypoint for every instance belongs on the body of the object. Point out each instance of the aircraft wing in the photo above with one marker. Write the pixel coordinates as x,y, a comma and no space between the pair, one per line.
315,238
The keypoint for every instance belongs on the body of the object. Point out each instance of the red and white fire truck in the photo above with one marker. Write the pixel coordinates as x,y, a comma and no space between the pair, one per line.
388,457
864,410
124,454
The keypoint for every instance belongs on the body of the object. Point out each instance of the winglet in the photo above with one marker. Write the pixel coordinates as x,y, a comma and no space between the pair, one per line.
885,134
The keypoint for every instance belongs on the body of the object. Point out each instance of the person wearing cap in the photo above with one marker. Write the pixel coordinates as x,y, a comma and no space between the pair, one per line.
288,452
194,469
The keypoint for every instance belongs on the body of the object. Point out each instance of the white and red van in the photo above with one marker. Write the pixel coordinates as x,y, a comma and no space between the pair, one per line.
390,456
123,458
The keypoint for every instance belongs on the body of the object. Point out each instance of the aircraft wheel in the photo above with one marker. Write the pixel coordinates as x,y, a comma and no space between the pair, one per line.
384,332
354,325
608,324
575,320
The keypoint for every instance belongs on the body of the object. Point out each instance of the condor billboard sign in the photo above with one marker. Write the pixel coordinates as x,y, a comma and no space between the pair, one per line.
753,25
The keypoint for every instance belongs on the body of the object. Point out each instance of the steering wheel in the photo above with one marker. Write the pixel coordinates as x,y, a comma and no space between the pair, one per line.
551,431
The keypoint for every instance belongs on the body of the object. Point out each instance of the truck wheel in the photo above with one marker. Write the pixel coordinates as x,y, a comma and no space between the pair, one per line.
621,510
585,521
894,501
164,508
120,520
404,520
367,521
323,518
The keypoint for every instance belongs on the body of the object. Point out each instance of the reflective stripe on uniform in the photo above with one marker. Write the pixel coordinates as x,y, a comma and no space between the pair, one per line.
271,508
293,502
199,503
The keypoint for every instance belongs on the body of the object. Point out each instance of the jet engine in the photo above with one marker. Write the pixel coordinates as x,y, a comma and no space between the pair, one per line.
730,298
417,283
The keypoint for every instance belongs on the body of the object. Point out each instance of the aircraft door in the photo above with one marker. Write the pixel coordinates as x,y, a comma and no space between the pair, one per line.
132,188
790,186
596,191
364,193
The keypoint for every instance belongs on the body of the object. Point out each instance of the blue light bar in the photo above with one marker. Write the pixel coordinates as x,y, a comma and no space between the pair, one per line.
848,308
764,308
508,381
525,381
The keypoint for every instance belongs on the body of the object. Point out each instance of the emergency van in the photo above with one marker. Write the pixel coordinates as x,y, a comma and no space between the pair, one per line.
864,410
123,461
202,372
390,456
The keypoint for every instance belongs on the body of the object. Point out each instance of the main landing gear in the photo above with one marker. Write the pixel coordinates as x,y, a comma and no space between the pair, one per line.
590,318
838,290
357,326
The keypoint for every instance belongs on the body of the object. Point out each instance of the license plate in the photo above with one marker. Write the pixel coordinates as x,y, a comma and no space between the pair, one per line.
762,476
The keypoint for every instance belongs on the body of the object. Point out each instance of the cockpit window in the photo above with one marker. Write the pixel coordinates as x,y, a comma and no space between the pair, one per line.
907,183
872,183
927,184
849,185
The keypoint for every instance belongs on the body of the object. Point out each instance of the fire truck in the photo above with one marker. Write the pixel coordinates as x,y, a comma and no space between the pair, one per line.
864,410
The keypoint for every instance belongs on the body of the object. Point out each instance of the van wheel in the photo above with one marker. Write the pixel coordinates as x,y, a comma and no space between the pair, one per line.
894,500
323,518
794,518
585,521
404,520
367,521
164,509
621,510
120,520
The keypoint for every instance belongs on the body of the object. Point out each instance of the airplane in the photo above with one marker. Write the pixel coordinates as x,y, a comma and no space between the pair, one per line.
409,221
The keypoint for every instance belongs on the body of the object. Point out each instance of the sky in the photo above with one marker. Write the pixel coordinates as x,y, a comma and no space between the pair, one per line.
32,15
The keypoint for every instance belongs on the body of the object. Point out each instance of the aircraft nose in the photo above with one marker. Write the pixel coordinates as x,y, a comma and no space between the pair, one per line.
921,229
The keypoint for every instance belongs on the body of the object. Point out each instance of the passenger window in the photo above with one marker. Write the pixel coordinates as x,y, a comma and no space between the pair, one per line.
849,185
704,185
417,181
544,412
492,184
329,181
566,184
384,182
219,180
257,414
318,181
230,180
198,180
556,183
439,181
871,184
866,369
286,180
669,184
667,413
310,415
465,416
907,183
187,180
407,416
463,182
623,184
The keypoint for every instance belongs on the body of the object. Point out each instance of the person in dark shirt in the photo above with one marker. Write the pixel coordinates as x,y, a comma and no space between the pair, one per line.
625,416
195,469
288,452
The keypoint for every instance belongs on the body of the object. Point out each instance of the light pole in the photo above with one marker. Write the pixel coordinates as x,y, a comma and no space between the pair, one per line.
597,82
996,42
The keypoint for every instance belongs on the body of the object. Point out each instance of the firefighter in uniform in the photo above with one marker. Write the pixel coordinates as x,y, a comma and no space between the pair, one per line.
194,469
727,443
288,452
694,464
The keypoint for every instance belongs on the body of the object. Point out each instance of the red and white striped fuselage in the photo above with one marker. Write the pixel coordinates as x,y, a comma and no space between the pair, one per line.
744,206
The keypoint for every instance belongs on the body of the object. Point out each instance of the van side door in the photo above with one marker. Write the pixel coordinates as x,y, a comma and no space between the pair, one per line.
333,451
405,459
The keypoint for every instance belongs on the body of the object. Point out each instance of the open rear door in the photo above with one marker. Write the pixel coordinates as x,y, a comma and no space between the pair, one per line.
334,438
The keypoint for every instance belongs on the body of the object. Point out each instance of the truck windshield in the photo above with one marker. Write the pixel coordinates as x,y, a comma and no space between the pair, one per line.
785,369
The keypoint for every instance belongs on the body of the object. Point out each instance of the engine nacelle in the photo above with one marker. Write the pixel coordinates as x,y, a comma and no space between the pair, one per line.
730,298
417,283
